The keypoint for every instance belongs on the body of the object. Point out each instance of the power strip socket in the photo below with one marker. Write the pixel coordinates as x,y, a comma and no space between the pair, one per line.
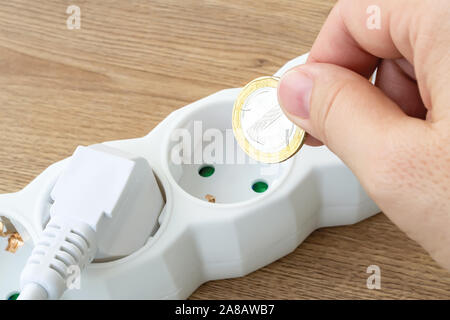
220,220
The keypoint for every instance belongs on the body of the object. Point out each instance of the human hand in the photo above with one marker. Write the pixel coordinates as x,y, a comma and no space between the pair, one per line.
394,136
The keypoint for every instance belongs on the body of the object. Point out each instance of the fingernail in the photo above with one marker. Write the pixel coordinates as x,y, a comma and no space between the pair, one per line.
294,93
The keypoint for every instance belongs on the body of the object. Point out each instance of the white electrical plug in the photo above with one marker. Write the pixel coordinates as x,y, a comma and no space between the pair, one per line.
106,206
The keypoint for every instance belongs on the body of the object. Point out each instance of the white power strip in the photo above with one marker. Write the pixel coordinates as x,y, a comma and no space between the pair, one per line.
196,240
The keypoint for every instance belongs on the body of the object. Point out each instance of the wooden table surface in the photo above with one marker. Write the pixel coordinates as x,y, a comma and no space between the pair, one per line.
130,65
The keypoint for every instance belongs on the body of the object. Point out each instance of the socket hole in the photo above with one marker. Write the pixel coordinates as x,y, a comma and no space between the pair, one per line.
206,171
13,296
260,186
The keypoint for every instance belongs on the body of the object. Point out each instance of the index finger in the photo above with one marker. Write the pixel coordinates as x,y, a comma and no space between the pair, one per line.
358,33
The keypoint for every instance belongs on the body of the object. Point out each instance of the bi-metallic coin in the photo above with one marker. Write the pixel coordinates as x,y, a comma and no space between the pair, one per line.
261,128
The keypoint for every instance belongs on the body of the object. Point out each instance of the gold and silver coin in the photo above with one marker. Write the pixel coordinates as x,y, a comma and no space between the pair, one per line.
260,126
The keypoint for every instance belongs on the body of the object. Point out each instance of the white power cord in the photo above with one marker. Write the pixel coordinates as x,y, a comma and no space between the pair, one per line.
106,205
33,291
65,244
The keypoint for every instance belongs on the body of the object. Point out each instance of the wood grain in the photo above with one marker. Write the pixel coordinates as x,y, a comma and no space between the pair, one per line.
130,65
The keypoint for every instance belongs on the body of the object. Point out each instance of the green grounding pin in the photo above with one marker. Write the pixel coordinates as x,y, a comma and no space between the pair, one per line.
13,296
260,186
206,171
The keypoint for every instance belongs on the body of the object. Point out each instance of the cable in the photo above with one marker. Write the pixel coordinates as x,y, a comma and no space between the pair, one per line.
65,244
33,291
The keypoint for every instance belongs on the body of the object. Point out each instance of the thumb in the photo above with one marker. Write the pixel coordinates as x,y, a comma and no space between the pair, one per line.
343,110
